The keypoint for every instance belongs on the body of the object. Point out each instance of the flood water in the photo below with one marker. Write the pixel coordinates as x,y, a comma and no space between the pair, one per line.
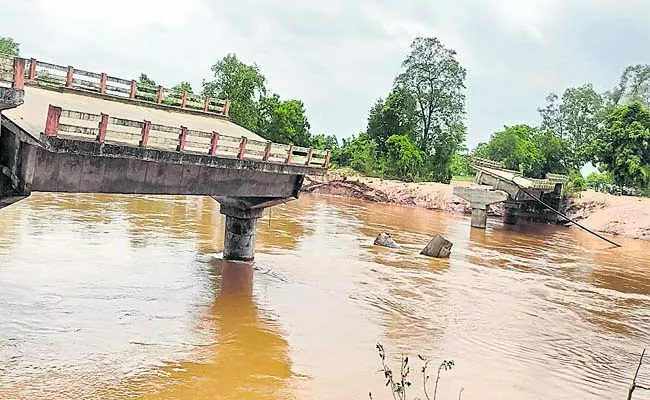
125,297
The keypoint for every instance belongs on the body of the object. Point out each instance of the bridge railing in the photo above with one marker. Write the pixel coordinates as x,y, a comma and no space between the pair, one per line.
44,74
103,128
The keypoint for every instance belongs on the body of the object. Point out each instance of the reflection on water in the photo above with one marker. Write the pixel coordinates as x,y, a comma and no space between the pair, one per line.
113,297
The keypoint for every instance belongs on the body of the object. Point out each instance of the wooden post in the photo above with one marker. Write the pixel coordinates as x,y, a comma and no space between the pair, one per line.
181,139
134,87
145,133
213,144
310,154
326,163
102,83
52,121
103,125
160,94
267,152
226,109
19,74
184,100
206,104
289,155
32,69
242,147
68,78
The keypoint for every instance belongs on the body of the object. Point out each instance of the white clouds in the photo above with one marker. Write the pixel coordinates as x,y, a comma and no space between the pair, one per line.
338,56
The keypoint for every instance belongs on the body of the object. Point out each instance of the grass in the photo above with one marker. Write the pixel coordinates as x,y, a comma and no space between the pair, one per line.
463,178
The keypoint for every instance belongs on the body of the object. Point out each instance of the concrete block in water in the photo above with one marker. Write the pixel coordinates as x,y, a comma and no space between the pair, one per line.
385,240
438,247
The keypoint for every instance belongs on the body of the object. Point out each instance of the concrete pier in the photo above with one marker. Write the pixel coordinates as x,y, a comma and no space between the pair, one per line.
479,199
510,213
239,238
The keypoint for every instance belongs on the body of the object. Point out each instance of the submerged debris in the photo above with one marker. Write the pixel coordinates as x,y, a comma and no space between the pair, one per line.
438,247
385,240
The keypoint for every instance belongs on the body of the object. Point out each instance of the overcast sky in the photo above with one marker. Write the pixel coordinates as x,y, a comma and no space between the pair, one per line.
338,56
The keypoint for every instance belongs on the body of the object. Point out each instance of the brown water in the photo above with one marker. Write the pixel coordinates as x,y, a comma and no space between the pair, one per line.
106,297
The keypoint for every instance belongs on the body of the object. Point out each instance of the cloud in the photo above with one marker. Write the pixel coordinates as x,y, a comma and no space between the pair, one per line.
339,56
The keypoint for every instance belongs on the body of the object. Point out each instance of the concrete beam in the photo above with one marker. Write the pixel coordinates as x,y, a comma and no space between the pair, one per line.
479,199
11,98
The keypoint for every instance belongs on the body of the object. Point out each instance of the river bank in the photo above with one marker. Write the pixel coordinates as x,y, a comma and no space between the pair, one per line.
615,215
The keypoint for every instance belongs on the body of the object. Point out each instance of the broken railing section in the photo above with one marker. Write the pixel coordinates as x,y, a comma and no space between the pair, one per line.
146,134
40,73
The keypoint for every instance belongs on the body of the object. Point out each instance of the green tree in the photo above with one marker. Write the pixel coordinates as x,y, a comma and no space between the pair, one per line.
532,151
634,85
460,165
394,117
623,147
9,46
359,153
145,80
596,178
436,80
323,142
242,84
183,87
403,158
283,121
576,118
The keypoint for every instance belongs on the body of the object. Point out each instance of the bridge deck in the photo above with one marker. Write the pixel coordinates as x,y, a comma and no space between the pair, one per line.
32,114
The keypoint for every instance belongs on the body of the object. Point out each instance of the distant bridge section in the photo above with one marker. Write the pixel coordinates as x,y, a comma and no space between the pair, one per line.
509,186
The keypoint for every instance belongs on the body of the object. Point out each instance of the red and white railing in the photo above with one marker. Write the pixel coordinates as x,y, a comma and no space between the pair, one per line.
145,134
21,71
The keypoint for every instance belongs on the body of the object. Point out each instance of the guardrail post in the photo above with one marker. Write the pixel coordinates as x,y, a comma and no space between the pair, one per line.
326,163
160,94
32,69
184,100
206,104
134,87
267,152
68,78
226,109
102,83
213,144
52,121
181,139
145,133
310,154
289,155
242,147
103,125
19,74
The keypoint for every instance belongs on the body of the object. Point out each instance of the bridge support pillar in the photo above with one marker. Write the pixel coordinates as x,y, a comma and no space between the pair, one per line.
479,218
242,214
239,239
510,214
478,200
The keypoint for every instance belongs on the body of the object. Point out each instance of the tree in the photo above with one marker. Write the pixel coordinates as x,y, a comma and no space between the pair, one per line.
403,158
242,84
436,80
623,146
359,153
576,118
532,151
633,86
145,80
183,87
395,117
323,142
283,121
9,46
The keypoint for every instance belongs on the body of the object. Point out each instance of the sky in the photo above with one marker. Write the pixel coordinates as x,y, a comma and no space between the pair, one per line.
339,56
